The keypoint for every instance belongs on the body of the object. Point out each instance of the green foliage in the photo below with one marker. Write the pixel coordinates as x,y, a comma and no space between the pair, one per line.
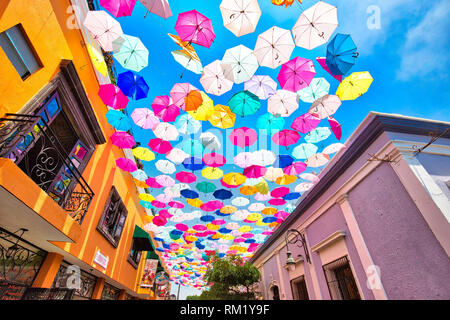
192,297
231,279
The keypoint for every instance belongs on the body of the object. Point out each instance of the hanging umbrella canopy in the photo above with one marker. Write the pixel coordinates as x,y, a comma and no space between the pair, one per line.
187,61
240,202
285,179
305,123
317,160
186,46
296,74
213,79
244,103
274,47
158,7
279,192
243,137
118,120
119,8
192,147
212,173
123,140
145,118
194,27
323,63
285,137
304,186
222,194
187,125
214,160
126,164
234,178
103,28
283,103
273,173
240,17
189,194
283,160
193,164
318,134
335,127
179,92
185,177
112,96
239,64
316,89
262,187
143,154
244,159
205,110
333,148
206,187
341,54
133,85
210,141
166,131
97,60
264,157
193,100
326,106
164,108
130,52
315,25
254,171
304,151
165,181
296,168
165,166
261,86
222,117
151,182
160,146
354,86
269,123
177,155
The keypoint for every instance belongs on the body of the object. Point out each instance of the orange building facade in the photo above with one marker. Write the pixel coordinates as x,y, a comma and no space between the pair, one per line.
65,208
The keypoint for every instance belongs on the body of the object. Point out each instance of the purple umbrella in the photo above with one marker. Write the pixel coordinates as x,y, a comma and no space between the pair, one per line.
194,27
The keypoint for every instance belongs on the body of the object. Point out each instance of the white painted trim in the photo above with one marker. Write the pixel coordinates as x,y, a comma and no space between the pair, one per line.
340,234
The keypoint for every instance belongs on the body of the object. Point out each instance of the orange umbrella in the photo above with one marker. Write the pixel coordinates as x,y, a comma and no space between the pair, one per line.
269,211
193,100
141,184
186,46
195,202
285,179
234,178
228,209
248,190
222,117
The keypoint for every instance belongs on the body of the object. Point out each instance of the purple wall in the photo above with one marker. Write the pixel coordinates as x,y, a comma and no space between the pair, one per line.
271,268
412,263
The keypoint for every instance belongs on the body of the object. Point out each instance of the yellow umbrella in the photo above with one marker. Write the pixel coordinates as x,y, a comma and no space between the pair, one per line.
228,209
254,217
234,178
97,60
354,86
217,236
261,224
148,219
205,110
227,237
194,202
269,211
212,173
143,154
285,179
248,190
262,187
245,229
222,117
211,226
146,197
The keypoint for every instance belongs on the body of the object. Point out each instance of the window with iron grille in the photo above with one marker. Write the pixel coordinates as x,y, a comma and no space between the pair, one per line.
110,292
87,282
112,221
340,280
135,255
298,287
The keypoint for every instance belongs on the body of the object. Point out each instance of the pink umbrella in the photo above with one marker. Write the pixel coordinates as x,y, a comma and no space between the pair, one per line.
335,127
277,202
296,74
181,226
165,214
164,109
279,192
179,92
158,220
123,140
151,182
310,177
212,205
163,198
254,171
247,235
262,197
119,8
176,204
214,160
160,146
279,215
323,64
243,137
199,227
126,164
112,96
239,240
218,222
157,204
285,137
145,118
194,27
305,123
158,7
295,169
185,177
165,181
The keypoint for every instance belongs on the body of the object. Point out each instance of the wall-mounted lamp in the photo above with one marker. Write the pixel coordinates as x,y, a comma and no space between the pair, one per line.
298,239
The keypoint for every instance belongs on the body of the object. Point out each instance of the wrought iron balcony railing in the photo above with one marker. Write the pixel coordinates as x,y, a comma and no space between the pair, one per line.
30,142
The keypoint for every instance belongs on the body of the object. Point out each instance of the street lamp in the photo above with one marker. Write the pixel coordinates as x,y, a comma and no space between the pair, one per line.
298,239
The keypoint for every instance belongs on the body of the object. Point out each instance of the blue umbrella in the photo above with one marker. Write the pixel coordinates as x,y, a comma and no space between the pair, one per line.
224,230
160,249
208,218
192,147
282,161
133,85
222,194
118,120
145,204
158,239
190,194
187,125
193,164
341,54
269,219
292,196
270,123
165,245
221,255
249,241
199,245
220,214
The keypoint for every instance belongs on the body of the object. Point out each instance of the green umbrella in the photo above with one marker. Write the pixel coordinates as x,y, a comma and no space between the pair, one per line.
316,89
206,187
130,52
244,103
318,135
304,150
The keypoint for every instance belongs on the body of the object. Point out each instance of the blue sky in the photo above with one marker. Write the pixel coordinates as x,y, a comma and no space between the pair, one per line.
407,57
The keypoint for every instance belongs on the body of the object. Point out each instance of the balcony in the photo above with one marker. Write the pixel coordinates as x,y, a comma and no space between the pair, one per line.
43,156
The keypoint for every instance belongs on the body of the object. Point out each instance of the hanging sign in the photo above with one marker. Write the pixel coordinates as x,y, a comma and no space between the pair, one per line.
149,272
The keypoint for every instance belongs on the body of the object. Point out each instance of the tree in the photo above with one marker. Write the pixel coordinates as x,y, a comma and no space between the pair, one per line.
192,297
231,278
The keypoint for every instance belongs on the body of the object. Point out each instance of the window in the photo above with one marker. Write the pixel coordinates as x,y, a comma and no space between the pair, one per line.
340,280
299,291
87,282
18,49
113,218
275,293
135,255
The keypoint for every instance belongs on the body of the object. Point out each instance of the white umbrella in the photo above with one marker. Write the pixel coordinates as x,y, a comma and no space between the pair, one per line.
165,181
239,64
310,177
333,148
240,16
264,157
244,159
304,186
240,215
210,141
103,28
165,166
283,103
274,47
140,175
315,25
325,106
240,201
273,174
163,198
262,86
317,160
158,7
213,79
177,155
257,207
145,118
166,131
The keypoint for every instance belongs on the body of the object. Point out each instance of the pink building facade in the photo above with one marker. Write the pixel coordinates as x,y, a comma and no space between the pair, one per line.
376,225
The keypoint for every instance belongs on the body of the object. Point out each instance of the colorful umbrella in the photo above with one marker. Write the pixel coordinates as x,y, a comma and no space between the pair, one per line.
296,74
244,159
264,157
164,108
193,164
270,123
243,137
151,182
126,164
145,118
123,140
315,25
158,7
304,151
130,52
179,92
316,89
273,173
189,194
112,96
97,60
205,110
285,179
103,28
244,103
206,187
133,85
283,160
165,166
192,147
254,171
239,64
193,100
177,155
274,47
212,173
143,154
222,194
160,146
187,125
222,117
335,127
240,202
261,86
187,61
214,160
318,134
341,54
305,123
283,103
323,63
234,178
165,181
317,160
295,169
310,177
210,141
279,192
285,137
186,46
354,86
240,17
119,8
118,120
185,177
213,79
333,148
325,106
166,131
194,27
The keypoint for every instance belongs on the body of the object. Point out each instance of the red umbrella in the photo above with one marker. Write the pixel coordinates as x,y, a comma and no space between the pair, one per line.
123,140
160,146
243,137
335,127
151,182
254,171
296,74
285,137
194,27
295,169
214,160
279,192
164,109
185,177
126,164
305,123
112,96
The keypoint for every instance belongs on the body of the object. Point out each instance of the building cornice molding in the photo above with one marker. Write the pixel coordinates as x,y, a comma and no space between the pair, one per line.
332,238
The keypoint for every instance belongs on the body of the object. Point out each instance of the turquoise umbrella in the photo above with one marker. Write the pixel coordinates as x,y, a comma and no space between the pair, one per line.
270,123
316,89
318,135
192,147
130,52
206,187
304,150
187,125
244,103
118,120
